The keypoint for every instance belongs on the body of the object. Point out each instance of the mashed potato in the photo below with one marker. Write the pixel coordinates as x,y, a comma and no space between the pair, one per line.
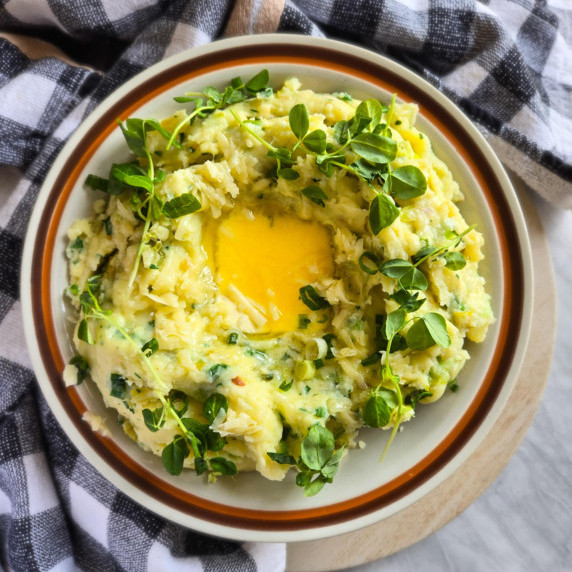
228,333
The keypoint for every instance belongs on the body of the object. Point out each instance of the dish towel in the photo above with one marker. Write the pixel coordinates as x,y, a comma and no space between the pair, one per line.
507,64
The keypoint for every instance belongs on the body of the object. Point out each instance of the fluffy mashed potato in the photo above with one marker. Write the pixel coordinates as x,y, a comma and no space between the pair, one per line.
218,289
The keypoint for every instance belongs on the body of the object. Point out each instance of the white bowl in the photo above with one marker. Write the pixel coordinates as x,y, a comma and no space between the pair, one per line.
430,447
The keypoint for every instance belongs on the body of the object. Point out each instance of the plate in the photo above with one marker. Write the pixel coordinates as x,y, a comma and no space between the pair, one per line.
431,447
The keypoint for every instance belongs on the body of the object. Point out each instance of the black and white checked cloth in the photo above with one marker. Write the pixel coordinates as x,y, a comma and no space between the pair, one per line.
506,63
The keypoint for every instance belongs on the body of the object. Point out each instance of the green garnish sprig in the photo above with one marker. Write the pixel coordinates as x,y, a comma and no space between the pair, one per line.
211,99
141,183
366,137
424,332
194,436
318,462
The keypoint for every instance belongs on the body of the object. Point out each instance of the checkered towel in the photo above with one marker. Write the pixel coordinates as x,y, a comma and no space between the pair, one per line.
507,64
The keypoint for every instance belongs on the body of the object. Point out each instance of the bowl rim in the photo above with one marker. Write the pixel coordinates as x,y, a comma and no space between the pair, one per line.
248,524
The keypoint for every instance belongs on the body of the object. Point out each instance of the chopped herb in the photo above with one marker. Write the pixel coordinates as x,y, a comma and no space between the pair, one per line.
81,366
303,321
216,371
373,260
118,386
286,385
312,299
321,412
150,347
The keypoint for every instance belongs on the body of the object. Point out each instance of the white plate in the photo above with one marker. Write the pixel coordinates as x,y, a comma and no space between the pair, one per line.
429,448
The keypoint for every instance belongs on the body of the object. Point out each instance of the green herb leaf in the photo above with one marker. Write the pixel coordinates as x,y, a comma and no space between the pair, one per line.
378,408
119,174
374,148
288,174
182,205
413,279
97,183
312,299
303,321
372,109
223,466
281,154
394,322
416,396
382,212
315,194
304,477
437,326
196,433
317,447
342,95
139,181
200,465
372,359
216,370
315,486
83,331
282,458
407,182
357,125
396,267
118,386
454,260
258,82
134,134
315,141
422,253
154,419
299,120
427,331
341,132
407,300
81,366
332,465
213,404
174,454
366,170
232,339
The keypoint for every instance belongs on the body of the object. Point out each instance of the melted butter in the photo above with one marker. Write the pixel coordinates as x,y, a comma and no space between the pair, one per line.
260,262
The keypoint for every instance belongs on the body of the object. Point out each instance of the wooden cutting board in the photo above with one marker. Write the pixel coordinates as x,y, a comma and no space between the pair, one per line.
454,495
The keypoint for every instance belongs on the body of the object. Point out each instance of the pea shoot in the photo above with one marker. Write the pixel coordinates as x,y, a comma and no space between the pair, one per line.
194,436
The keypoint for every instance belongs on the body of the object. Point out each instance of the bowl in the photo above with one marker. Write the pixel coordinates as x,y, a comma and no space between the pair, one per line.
432,446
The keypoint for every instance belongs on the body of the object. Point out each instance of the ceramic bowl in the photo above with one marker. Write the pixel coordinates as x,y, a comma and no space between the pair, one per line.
430,448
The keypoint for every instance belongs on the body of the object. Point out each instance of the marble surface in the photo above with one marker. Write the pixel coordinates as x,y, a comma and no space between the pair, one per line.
523,521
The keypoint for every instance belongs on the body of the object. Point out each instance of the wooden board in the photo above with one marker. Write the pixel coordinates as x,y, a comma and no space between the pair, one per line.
454,495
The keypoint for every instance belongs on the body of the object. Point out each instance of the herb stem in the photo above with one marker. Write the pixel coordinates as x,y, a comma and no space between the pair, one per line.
389,115
98,314
140,250
388,373
188,117
452,242
255,135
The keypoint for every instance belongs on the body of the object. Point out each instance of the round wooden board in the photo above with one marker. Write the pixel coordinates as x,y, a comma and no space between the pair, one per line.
454,495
